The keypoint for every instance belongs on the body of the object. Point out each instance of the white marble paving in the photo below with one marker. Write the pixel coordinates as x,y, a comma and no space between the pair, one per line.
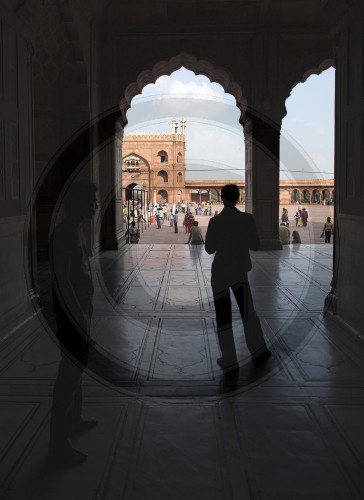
171,426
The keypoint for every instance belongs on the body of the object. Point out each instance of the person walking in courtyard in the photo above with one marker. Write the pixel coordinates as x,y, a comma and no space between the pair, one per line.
190,221
158,216
296,218
328,230
175,221
284,216
229,236
304,216
185,225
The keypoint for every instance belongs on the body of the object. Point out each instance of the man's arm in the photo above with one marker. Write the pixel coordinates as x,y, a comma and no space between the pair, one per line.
210,238
68,300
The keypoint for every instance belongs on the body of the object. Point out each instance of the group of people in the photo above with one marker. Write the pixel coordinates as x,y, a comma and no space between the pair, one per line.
285,235
203,207
133,210
284,232
301,217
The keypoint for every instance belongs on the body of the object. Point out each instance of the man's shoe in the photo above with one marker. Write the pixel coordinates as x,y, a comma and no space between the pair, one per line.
263,356
66,455
84,425
227,366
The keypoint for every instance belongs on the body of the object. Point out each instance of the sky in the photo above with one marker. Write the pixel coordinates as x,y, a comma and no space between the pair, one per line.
214,138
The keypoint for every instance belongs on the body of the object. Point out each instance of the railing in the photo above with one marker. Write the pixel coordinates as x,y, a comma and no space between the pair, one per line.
136,198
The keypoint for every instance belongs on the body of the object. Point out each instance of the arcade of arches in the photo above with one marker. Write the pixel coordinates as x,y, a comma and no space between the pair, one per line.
70,69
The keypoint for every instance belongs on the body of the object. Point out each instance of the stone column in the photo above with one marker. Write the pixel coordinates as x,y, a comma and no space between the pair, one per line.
110,184
262,178
347,285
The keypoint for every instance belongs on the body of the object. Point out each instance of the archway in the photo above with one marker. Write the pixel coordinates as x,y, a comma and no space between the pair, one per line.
215,196
133,192
162,176
306,196
204,195
163,156
315,197
325,197
295,196
162,196
195,196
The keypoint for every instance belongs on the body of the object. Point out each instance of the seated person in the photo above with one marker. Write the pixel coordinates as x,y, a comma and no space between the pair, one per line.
284,234
195,235
134,233
296,238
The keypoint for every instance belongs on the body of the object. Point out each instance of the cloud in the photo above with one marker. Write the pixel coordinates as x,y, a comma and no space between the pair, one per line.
184,83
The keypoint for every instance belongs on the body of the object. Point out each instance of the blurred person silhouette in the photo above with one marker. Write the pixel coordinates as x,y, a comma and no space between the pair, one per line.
296,238
328,230
133,232
284,234
72,303
229,236
175,221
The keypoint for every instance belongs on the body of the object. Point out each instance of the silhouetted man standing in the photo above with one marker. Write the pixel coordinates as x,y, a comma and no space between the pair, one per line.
230,235
72,301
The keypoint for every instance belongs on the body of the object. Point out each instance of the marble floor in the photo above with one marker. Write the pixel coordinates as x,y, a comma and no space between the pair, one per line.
171,424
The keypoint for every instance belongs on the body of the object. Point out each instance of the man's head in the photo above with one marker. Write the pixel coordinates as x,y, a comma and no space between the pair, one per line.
230,194
328,219
195,223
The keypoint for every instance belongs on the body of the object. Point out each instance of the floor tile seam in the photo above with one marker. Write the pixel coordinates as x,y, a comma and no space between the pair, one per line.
267,314
106,477
14,341
26,451
307,277
289,363
313,260
210,372
313,248
124,250
340,345
137,371
18,350
298,301
330,429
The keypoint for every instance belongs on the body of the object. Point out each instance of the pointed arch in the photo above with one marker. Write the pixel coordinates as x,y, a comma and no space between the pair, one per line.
190,62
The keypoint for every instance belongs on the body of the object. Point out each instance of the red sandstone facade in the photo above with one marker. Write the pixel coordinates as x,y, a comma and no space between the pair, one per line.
156,164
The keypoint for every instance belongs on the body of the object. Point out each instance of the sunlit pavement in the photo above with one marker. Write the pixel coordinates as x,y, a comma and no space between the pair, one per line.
171,425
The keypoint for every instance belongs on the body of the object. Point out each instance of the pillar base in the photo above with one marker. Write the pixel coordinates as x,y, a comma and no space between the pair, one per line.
114,243
270,244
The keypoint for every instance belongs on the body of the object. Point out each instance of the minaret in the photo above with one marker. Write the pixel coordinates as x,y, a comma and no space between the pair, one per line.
174,126
183,125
